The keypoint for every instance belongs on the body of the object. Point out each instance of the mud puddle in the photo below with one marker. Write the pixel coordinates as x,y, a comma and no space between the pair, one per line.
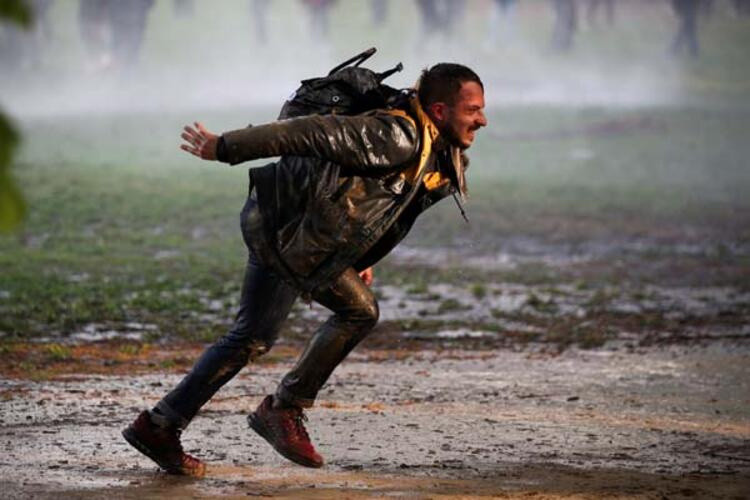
506,312
514,251
665,422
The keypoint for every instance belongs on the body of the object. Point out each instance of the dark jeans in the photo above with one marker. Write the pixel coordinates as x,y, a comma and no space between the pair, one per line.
264,305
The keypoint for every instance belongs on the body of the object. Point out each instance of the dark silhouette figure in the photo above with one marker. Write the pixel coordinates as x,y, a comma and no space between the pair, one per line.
566,23
686,38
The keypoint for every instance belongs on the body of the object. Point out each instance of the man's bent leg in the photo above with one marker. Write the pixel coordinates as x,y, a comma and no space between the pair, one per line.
355,314
265,303
279,419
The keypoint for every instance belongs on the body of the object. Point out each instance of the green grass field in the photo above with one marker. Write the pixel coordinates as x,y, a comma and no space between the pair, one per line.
124,227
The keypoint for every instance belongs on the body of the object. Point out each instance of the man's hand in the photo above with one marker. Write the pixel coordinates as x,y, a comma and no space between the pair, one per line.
366,276
200,142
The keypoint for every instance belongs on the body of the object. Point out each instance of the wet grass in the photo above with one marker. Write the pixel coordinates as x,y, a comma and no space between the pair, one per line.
123,228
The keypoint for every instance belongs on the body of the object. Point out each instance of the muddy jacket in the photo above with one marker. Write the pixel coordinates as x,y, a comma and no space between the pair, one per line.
346,190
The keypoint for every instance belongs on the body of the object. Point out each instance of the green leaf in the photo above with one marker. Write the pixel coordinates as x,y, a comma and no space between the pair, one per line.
16,11
8,140
12,205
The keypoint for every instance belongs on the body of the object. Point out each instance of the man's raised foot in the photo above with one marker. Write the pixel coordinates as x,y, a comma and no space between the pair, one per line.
284,429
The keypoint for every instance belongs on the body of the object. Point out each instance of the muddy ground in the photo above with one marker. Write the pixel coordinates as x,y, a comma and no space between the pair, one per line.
464,390
666,422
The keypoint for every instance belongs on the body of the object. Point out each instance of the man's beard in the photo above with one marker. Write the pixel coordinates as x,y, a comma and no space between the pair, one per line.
452,137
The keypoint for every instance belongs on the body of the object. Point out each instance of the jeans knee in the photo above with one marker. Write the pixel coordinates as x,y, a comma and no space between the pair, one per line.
257,348
244,352
368,314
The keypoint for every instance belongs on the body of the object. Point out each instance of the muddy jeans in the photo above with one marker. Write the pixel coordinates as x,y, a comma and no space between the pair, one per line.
265,303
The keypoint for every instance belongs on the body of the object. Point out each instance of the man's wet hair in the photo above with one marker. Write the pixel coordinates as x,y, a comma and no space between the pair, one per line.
442,82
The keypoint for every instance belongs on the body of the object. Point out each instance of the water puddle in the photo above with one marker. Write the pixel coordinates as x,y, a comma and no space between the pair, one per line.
515,251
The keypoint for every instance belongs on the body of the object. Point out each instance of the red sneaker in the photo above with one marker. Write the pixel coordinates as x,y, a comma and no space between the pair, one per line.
283,428
162,445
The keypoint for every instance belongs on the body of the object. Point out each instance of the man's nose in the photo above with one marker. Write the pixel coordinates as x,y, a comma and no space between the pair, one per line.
482,121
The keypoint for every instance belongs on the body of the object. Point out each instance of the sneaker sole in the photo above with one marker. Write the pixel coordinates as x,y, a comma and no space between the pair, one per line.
258,426
129,434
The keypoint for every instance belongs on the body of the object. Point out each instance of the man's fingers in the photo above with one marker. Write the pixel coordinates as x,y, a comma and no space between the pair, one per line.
200,142
188,130
190,149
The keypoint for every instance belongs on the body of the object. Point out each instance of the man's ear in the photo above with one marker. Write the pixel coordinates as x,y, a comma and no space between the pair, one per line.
438,112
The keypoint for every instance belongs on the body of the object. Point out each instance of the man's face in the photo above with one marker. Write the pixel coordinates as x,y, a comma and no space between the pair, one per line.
460,122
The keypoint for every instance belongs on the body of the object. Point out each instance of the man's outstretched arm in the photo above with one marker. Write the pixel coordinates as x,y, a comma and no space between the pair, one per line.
360,142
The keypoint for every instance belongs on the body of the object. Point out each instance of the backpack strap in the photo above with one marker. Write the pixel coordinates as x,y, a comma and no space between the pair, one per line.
429,133
357,60
385,74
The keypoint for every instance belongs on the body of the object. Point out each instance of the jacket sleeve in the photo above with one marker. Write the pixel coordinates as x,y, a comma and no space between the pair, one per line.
375,140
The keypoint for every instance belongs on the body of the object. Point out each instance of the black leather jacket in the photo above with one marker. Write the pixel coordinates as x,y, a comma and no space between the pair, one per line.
339,196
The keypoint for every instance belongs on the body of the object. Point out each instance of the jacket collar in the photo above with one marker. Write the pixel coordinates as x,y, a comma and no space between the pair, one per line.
440,143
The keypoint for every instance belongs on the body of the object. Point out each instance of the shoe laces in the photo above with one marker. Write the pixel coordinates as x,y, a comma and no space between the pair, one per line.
174,435
299,420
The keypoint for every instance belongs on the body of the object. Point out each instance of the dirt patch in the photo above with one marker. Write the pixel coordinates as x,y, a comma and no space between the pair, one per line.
660,422
52,360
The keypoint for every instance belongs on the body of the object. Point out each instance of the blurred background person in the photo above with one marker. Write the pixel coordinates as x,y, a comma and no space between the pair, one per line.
112,31
741,7
128,18
501,19
454,13
379,10
319,12
259,13
440,17
706,7
593,8
184,8
21,48
96,32
566,24
430,22
686,38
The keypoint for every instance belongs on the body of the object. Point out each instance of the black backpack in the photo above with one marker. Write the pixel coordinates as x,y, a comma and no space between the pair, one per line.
348,89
